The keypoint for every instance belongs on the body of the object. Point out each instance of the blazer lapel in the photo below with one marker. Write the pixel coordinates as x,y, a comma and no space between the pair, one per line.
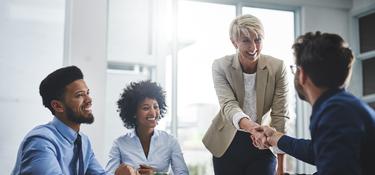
261,85
237,77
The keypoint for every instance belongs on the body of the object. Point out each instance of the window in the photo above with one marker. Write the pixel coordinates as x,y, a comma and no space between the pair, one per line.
368,72
130,57
372,105
130,31
278,41
366,33
279,36
365,53
203,36
118,77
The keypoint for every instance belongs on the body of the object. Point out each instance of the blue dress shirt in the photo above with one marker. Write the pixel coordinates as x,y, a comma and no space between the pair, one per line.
164,151
48,149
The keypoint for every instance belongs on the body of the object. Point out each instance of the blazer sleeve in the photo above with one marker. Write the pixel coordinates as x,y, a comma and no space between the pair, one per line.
229,104
301,149
338,137
279,108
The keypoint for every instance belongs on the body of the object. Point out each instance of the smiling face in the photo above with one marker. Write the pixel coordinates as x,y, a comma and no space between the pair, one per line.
148,113
249,45
77,103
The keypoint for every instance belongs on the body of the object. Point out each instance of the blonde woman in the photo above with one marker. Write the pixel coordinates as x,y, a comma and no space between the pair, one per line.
250,87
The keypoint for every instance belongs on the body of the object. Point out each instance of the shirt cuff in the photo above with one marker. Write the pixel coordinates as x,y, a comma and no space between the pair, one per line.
236,119
276,150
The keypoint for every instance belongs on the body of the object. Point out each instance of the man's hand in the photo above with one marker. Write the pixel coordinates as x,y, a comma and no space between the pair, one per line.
267,137
272,135
264,137
124,169
259,138
146,170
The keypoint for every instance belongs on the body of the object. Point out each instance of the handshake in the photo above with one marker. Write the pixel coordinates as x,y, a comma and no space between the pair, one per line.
264,137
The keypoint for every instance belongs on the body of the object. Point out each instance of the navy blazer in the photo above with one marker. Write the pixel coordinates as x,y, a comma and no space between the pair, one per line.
342,136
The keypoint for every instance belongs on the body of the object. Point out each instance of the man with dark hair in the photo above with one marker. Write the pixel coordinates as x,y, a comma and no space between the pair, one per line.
58,147
342,126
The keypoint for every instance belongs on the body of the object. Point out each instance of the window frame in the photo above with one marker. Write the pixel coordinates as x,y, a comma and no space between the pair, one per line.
360,57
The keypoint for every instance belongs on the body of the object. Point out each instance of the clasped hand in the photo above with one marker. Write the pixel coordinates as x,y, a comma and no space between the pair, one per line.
264,137
125,169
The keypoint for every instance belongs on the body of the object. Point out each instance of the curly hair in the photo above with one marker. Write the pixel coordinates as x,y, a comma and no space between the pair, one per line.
133,95
325,58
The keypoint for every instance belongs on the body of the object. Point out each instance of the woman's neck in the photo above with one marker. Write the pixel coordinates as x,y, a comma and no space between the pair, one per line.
144,133
249,66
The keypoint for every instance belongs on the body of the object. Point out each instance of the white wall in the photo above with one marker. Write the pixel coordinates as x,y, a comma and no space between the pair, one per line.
31,35
362,4
325,20
87,41
31,46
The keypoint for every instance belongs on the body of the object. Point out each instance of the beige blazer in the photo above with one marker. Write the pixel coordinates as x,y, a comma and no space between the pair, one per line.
271,95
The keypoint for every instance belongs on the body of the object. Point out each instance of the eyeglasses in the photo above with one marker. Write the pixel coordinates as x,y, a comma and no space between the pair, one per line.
294,68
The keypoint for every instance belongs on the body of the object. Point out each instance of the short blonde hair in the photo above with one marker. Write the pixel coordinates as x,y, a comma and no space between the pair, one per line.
244,24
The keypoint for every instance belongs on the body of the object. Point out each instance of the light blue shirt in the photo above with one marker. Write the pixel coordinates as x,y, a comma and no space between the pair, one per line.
48,149
164,152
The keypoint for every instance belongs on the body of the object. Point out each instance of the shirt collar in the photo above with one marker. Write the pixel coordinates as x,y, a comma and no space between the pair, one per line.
236,62
323,97
134,134
67,132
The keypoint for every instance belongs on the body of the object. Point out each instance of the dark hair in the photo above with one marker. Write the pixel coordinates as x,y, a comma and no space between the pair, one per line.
53,86
324,57
133,95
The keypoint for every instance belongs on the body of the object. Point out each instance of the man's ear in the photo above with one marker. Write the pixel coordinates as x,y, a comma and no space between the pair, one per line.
57,106
234,43
302,76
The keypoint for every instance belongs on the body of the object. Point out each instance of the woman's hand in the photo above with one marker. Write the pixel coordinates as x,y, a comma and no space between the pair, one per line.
124,169
248,125
145,170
